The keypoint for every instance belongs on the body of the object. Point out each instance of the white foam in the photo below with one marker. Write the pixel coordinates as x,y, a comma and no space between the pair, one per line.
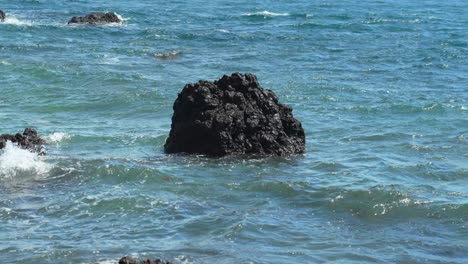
121,23
57,137
14,161
121,17
168,55
266,14
12,20
107,261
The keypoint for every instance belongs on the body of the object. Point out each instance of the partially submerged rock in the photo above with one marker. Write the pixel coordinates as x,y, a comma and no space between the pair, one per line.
96,19
28,140
130,260
233,115
2,16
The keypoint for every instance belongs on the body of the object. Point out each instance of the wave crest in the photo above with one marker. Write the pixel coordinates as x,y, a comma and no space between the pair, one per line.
12,20
265,14
15,161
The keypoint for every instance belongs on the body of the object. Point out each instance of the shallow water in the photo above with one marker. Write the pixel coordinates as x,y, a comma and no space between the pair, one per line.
380,88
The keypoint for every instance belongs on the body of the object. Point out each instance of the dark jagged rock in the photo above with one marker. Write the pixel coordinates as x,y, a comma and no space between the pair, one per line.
2,16
28,140
233,115
130,260
96,19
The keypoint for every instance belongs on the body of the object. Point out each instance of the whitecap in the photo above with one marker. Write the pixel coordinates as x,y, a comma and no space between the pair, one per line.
110,60
266,14
12,20
15,161
222,30
168,55
57,137
107,261
123,19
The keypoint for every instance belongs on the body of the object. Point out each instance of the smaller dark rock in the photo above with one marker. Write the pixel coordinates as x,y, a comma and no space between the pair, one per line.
28,140
130,260
127,260
2,16
96,19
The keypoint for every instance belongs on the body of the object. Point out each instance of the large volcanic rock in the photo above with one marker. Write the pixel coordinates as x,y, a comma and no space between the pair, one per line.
2,16
96,19
233,115
28,140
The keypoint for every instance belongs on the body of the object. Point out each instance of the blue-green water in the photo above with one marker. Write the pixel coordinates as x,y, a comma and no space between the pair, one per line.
381,89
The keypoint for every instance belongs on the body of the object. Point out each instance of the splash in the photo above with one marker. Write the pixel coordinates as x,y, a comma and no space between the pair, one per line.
12,20
15,161
121,18
57,137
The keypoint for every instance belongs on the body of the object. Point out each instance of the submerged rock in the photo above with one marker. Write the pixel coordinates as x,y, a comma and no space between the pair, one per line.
28,140
96,19
2,16
233,115
130,260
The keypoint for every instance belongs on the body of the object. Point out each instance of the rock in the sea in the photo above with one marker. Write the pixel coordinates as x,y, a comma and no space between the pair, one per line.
96,19
233,115
28,140
2,16
130,260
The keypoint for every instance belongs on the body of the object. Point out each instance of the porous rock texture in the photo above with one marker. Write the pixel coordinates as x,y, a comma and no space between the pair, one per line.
96,19
2,16
28,140
233,115
130,260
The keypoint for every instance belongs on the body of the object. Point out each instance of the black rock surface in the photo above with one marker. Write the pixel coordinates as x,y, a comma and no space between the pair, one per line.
96,19
233,115
2,16
130,260
28,140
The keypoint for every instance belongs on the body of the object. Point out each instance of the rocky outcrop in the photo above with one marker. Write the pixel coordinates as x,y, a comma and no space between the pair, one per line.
28,140
2,16
96,19
233,115
129,260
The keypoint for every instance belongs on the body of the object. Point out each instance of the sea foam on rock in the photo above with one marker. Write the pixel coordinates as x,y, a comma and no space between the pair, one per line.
2,16
233,115
97,19
28,140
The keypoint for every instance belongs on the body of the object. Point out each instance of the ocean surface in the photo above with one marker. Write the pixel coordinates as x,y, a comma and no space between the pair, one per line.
381,89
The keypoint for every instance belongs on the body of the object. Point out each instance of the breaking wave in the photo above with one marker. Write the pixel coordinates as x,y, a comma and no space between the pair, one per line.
12,20
15,161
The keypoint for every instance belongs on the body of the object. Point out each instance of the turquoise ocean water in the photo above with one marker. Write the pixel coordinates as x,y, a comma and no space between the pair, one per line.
380,87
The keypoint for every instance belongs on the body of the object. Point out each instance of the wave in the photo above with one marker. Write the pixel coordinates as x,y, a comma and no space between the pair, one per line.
265,14
12,20
57,137
15,161
168,55
123,21
397,202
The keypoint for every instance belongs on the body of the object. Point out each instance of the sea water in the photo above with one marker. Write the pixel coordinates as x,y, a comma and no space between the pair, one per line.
380,87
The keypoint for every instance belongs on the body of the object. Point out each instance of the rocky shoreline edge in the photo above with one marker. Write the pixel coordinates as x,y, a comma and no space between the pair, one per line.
130,260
